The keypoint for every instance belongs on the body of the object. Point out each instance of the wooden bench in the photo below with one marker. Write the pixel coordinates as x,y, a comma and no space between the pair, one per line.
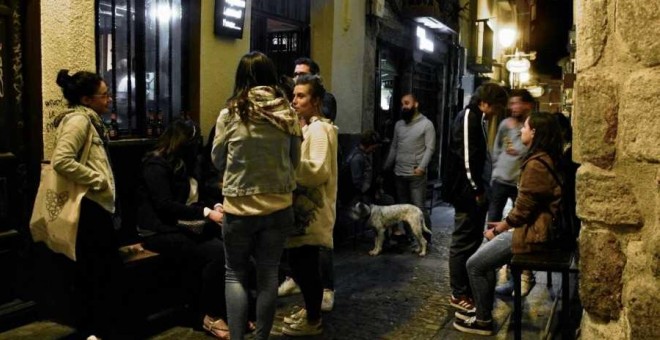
561,261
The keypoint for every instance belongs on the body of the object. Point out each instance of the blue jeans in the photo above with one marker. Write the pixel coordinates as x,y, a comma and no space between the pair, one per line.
261,237
412,190
481,269
499,194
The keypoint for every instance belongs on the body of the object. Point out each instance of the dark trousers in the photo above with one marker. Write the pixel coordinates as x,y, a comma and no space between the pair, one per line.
201,262
465,240
499,195
412,190
326,267
304,262
98,270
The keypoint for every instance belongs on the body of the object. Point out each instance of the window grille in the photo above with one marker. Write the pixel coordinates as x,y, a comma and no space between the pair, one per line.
140,54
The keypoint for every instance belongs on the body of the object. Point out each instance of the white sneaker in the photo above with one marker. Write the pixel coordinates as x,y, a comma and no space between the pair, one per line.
503,275
328,300
296,317
527,282
288,287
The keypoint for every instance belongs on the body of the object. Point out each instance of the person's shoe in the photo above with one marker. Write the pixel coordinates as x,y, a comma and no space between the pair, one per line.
527,282
463,315
303,328
296,317
474,326
505,289
503,275
328,300
288,287
463,303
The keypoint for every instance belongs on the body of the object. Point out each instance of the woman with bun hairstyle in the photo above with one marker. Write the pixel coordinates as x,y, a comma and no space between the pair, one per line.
98,261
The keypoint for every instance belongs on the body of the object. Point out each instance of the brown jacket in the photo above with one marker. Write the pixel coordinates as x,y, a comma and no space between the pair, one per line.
537,202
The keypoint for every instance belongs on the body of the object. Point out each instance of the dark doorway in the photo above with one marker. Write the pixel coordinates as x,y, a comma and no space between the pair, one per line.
280,29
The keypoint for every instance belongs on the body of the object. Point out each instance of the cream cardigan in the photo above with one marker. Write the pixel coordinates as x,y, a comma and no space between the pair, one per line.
317,172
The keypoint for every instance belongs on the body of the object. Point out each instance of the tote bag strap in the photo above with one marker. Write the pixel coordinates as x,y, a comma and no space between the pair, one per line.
88,144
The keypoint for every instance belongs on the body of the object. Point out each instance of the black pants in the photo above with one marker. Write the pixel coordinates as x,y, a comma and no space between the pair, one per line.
201,261
98,270
465,240
304,262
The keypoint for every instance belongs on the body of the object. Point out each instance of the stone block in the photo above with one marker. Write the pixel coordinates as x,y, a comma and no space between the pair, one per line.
639,117
638,24
591,32
642,304
592,328
596,118
601,271
604,197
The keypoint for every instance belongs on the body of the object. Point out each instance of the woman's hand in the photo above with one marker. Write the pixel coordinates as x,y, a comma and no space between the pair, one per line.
497,228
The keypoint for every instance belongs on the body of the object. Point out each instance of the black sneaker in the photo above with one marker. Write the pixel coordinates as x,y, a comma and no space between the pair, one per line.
465,315
474,326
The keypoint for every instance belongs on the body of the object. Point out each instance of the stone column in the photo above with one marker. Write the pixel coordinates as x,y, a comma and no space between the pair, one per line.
617,142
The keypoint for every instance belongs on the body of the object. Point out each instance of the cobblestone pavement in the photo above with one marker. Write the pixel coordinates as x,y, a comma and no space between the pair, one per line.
395,295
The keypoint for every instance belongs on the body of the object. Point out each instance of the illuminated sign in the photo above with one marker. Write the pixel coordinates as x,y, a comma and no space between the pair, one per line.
424,43
229,18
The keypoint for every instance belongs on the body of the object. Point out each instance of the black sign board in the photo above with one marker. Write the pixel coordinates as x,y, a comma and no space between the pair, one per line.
229,18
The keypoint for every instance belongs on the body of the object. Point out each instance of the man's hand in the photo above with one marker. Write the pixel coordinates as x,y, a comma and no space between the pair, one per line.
418,172
511,151
216,216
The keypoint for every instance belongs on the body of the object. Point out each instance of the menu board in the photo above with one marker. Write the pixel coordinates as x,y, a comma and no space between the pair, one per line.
229,18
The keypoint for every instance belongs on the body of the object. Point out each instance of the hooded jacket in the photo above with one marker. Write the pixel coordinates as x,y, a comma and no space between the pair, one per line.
73,127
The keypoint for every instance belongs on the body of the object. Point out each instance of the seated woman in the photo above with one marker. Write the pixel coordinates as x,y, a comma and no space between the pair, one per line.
538,201
169,206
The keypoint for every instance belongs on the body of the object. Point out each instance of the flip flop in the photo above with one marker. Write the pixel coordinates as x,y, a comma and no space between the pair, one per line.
218,328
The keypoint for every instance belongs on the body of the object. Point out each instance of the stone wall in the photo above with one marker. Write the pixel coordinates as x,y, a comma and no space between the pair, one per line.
617,141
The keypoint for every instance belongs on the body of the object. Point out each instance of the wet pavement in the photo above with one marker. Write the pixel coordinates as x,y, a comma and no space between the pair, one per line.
395,295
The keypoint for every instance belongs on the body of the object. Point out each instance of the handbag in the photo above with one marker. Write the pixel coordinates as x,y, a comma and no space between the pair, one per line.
56,210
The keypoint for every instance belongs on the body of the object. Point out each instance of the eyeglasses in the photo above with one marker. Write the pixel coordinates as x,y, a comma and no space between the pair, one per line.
104,95
298,74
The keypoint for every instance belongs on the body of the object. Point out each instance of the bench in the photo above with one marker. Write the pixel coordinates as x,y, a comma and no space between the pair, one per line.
561,261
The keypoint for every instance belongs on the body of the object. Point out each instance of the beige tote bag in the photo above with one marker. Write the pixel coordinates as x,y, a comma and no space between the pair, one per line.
56,209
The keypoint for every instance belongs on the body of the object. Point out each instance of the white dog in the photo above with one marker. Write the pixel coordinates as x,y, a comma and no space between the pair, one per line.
383,217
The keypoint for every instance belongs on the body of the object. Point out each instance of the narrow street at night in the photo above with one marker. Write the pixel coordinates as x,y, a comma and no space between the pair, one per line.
395,295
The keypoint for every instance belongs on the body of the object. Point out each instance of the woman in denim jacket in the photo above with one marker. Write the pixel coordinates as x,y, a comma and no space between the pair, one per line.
256,149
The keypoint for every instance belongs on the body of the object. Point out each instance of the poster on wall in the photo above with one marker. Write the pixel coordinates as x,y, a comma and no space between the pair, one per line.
229,18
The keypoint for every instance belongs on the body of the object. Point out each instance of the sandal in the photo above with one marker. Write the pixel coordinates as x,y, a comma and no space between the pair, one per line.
217,327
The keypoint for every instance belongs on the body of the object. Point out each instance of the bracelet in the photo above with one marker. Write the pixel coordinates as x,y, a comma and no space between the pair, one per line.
215,206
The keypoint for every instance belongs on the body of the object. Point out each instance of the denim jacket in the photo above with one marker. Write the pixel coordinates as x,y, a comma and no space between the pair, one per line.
254,157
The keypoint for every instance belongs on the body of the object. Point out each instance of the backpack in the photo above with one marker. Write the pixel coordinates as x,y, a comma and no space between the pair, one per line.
566,226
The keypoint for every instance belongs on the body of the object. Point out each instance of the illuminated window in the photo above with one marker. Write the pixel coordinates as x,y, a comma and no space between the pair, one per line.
140,52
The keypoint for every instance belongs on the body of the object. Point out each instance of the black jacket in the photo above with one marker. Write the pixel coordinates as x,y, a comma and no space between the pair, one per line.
458,187
162,197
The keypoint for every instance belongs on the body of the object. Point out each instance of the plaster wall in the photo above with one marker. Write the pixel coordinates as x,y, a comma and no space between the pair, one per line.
347,84
67,42
616,139
218,60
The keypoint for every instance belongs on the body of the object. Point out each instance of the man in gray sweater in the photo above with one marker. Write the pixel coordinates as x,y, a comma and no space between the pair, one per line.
412,146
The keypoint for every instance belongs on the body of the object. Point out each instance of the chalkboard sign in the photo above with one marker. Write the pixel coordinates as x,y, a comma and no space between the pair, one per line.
229,18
